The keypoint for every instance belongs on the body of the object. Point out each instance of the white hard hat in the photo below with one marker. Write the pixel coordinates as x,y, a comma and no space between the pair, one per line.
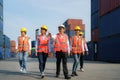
61,26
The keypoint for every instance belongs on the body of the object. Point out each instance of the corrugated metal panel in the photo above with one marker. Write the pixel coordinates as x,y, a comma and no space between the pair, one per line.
1,40
109,24
7,53
94,6
1,53
7,41
95,35
108,5
13,49
109,49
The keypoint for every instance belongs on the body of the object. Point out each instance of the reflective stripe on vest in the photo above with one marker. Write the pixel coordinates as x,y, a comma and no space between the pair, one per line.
42,44
61,43
23,45
76,45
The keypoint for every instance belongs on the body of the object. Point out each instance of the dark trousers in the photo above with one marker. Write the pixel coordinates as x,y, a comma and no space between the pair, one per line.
42,57
61,56
81,60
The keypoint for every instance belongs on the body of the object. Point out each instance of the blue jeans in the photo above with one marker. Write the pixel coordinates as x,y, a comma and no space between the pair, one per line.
23,59
76,62
42,58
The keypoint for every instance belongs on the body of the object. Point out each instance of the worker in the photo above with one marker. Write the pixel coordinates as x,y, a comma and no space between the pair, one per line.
24,49
62,50
42,49
76,49
84,50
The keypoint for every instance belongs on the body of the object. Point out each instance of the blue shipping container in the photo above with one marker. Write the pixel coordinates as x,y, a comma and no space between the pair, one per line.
1,53
110,23
33,43
94,6
1,27
1,40
94,21
109,49
7,41
7,52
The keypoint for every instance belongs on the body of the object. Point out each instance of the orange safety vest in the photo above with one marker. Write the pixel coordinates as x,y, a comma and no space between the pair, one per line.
76,45
23,45
42,44
60,43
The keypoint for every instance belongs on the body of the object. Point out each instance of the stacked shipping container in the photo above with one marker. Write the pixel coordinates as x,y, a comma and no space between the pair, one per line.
70,25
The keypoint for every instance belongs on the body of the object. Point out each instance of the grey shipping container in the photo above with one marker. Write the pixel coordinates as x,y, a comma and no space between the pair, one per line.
109,49
1,27
7,41
1,53
110,24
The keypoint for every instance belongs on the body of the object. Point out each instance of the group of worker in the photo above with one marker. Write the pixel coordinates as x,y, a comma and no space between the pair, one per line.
62,45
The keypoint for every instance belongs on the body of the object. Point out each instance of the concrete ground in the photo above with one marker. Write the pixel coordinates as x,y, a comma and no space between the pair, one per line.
9,70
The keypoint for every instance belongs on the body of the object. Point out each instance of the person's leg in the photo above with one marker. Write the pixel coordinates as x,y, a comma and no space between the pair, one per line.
44,60
25,55
77,62
40,59
58,62
20,55
81,62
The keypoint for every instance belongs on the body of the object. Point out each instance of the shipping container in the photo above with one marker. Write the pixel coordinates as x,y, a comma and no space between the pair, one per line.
106,6
1,40
13,49
1,27
7,53
33,44
6,41
12,43
74,21
94,6
94,20
109,49
1,53
72,26
110,24
95,35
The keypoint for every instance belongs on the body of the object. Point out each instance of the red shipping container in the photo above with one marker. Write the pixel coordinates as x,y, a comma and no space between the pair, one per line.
108,5
13,43
95,35
12,49
74,21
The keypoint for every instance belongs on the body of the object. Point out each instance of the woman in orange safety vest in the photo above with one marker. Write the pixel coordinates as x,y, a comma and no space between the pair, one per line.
42,49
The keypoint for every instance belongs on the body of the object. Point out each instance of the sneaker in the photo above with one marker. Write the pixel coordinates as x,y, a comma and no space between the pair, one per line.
42,75
67,77
82,70
21,69
24,71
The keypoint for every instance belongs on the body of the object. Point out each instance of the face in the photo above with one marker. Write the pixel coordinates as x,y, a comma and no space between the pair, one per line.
61,30
43,31
23,33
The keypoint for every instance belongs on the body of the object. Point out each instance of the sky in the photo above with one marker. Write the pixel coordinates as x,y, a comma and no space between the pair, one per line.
32,14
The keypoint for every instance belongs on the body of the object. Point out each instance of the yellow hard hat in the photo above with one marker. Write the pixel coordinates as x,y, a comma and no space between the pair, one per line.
81,33
44,27
23,29
77,28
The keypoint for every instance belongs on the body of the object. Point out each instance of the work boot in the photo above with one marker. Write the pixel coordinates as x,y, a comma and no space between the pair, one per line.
73,74
67,77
